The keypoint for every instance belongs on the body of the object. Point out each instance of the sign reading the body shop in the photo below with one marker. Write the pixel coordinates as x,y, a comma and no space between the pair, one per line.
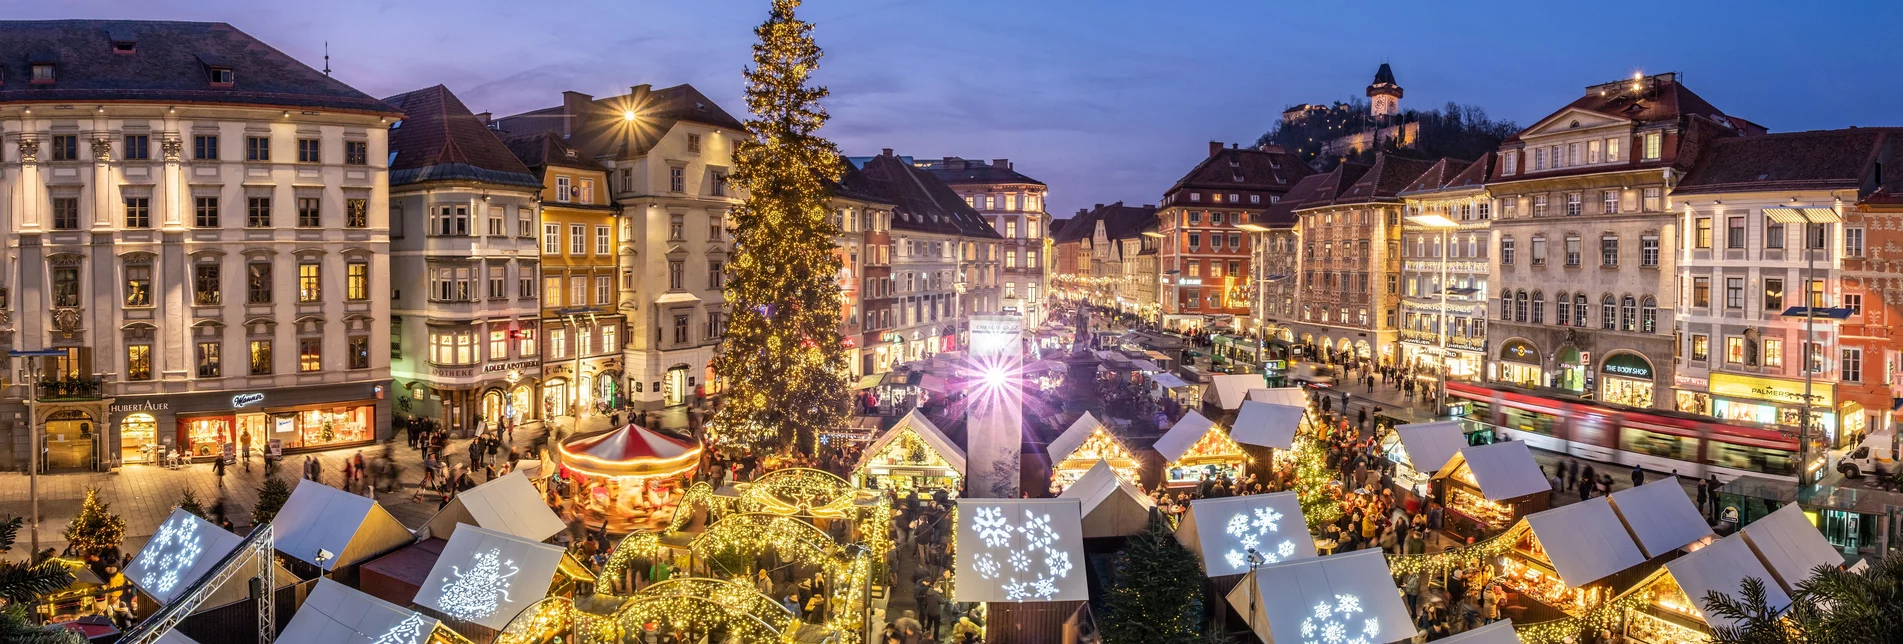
242,401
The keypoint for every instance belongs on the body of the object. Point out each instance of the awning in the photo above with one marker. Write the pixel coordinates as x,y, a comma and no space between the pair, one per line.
1790,546
1585,541
1222,530
926,431
1661,516
1072,438
868,382
1722,567
632,450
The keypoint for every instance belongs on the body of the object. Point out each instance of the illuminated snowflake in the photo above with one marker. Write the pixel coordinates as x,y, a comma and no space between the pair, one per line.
991,527
1252,530
1238,525
986,566
1286,550
1019,549
173,551
1020,562
1266,520
1235,559
1331,623
1044,587
1037,530
479,591
1057,561
1346,604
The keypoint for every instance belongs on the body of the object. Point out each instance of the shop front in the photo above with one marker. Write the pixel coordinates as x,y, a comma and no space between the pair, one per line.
204,426
1519,364
1571,373
1772,401
1625,378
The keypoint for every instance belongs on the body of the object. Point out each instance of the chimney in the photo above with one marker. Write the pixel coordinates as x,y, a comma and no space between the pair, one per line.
574,105
1097,207
484,117
885,152
1235,146
1001,163
1081,212
1150,206
1215,147
638,95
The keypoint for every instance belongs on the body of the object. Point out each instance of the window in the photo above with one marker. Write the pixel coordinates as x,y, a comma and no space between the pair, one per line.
1509,208
208,360
257,148
1653,141
551,239
65,147
260,354
309,213
677,179
1734,350
1519,306
1483,210
525,343
1539,251
258,283
357,281
1608,313
1506,307
205,286
1195,241
1854,302
525,284
1592,151
1563,309
680,329
577,239
453,347
1612,150
310,355
307,151
138,147
1651,199
1774,352
1506,251
585,193
1701,233
1853,242
1609,251
604,289
1814,357
309,283
601,240
138,212
1572,250
205,212
1580,309
675,271
1512,161
1539,308
1539,205
677,228
1773,294
525,223
718,184
1628,312
357,213
693,143
1701,291
1648,315
139,285
1649,251
497,283
1734,232
65,213
356,153
1851,364
357,352
66,286
205,147
1817,294
1734,292
1574,204
1610,200
715,229
563,191
138,362
1539,158
257,212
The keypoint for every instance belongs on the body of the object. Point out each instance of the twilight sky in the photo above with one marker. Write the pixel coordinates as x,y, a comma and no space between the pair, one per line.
1103,100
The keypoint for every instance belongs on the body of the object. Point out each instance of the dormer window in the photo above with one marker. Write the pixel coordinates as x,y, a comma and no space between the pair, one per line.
124,41
124,46
42,73
221,77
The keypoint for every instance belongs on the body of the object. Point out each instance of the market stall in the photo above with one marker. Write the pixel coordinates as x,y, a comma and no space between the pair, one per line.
1661,517
186,549
1229,390
1291,396
1080,447
1170,387
1222,531
333,530
1020,550
630,478
337,614
484,578
508,504
1675,609
1790,545
1270,425
1418,450
1195,450
913,455
1338,598
1112,507
1564,556
1488,487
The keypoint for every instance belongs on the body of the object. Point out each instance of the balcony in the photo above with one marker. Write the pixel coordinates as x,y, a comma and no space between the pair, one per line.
61,389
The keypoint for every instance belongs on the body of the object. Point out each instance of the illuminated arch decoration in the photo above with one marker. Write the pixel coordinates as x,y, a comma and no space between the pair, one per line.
637,545
704,602
702,494
754,532
799,491
540,622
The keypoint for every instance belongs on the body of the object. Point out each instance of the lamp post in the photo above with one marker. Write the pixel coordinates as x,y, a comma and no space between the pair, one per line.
33,434
1815,236
1442,224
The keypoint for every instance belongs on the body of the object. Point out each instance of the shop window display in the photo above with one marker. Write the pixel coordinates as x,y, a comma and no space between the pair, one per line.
207,436
138,438
1623,391
333,426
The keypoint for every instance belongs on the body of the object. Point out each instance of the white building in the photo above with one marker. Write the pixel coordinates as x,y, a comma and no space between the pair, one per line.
1014,206
197,224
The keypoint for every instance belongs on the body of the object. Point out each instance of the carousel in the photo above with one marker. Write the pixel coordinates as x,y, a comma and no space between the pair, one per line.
630,478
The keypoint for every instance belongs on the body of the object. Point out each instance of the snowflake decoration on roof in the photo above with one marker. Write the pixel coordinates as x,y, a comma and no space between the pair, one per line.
479,591
172,552
1030,547
1331,623
986,565
992,527
1251,530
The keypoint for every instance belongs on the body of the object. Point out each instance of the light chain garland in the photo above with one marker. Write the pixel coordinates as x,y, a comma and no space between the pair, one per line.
1462,557
799,491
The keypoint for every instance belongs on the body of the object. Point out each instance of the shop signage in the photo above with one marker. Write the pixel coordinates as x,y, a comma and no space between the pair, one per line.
242,401
1274,365
141,406
1628,365
456,372
274,448
495,367
1690,382
1770,389
1520,351
1189,281
555,370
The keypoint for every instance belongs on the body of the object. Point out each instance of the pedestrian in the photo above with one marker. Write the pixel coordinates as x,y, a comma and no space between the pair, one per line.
218,467
1572,472
1638,477
1704,495
1587,480
244,447
1712,483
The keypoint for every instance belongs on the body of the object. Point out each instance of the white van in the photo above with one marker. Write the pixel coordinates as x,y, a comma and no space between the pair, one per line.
1876,455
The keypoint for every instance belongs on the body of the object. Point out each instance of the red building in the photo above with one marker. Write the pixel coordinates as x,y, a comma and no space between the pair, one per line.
1205,249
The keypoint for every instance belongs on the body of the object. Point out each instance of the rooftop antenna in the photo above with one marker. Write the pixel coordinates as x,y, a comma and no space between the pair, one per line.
326,58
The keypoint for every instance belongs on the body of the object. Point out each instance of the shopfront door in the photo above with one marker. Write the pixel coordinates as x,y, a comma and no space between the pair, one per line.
521,404
555,397
492,406
138,438
69,440
674,386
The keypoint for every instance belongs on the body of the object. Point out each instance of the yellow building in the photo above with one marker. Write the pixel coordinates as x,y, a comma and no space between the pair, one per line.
582,331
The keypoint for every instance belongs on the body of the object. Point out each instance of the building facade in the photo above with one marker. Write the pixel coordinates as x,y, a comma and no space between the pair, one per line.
866,286
466,311
198,245
1204,254
1351,262
1014,205
1445,251
1878,276
1276,261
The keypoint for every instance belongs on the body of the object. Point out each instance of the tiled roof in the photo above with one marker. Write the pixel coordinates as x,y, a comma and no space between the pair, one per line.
440,139
170,62
955,171
1436,175
922,202
1079,226
1665,100
1662,100
600,128
1258,170
542,149
1475,175
1282,213
1825,159
1125,222
1333,183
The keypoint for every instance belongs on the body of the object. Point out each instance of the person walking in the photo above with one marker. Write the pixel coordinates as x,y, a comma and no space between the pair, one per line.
1572,472
218,467
1638,476
1704,495
244,447
1586,482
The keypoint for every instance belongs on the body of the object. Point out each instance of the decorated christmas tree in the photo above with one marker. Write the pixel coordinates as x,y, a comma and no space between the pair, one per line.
271,498
189,502
1312,479
1157,593
95,530
23,585
782,359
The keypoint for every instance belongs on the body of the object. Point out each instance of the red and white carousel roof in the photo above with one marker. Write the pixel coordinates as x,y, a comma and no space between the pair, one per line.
630,451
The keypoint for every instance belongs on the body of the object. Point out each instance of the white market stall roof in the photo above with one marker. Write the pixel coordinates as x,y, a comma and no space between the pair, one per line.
1168,381
338,614
1266,424
1430,445
1233,388
1018,550
1292,396
486,577
186,549
1502,471
1147,366
1661,516
1790,546
1500,632
349,527
508,504
1723,566
1073,437
1182,436
1112,507
1222,530
1585,541
1352,594
174,637
922,427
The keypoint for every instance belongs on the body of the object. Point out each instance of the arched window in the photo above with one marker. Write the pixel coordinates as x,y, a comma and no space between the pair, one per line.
1519,306
1628,313
1580,309
1563,309
1608,313
1649,315
1539,308
1506,306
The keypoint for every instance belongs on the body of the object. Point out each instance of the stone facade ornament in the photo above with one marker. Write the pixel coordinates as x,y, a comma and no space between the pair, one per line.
172,148
102,150
66,320
29,150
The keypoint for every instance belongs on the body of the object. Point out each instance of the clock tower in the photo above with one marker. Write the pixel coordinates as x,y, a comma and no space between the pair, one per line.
1384,97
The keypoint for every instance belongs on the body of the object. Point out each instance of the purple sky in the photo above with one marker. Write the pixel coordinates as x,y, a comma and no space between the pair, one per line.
1103,100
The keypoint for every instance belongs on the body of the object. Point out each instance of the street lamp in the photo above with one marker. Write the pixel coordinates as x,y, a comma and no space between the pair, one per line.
1442,224
1815,235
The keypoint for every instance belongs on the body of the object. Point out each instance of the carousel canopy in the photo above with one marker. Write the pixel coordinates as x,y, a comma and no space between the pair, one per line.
1233,388
486,577
1790,546
1500,632
509,504
1431,445
1020,550
1502,470
1723,566
1182,436
184,549
1661,516
1292,396
338,614
1585,541
1222,530
630,451
922,427
1112,506
1266,424
1352,595
1073,437
345,528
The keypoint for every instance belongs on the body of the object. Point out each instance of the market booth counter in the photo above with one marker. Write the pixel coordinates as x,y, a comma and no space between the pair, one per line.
1418,450
1570,558
629,479
1674,607
1084,443
1195,450
1112,507
327,531
913,455
1488,487
1341,598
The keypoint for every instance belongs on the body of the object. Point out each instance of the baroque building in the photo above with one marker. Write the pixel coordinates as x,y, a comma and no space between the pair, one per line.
1350,258
1444,266
1204,253
1014,205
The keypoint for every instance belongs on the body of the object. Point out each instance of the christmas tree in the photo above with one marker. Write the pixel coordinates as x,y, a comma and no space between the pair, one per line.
271,498
782,359
95,530
1312,482
189,502
23,585
408,631
1157,594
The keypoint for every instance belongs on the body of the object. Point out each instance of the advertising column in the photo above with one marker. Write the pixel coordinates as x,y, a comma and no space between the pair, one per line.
997,407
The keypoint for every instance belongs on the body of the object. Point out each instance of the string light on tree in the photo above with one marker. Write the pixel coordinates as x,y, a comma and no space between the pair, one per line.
478,592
